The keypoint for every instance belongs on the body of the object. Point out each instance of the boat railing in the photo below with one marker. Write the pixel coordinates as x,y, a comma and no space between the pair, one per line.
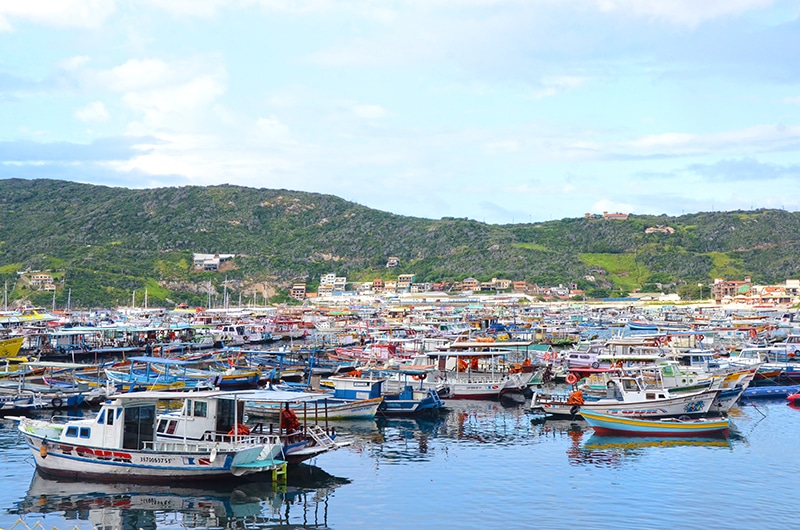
245,439
209,443
474,377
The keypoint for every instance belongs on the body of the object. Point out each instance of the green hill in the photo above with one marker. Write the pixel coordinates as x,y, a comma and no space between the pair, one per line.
102,243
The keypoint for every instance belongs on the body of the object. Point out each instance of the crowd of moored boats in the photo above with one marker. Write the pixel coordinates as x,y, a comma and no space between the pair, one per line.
201,394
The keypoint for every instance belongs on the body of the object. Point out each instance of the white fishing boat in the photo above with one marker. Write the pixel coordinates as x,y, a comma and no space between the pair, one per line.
628,396
471,374
128,440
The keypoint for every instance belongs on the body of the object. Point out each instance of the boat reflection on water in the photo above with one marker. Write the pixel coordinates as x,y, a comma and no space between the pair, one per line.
406,439
589,449
611,451
301,503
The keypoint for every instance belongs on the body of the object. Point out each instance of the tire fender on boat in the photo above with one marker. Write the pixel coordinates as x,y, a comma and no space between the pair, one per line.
56,402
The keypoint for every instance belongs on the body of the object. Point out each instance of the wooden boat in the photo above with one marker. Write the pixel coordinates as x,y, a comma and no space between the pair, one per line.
9,347
615,424
128,440
173,376
353,398
410,402
770,391
642,325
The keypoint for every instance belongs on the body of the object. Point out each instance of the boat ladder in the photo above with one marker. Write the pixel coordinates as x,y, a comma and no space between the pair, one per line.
320,436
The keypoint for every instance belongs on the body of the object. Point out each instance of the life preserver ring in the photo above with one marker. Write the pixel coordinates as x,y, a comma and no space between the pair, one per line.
239,429
419,377
700,338
56,402
753,333
572,379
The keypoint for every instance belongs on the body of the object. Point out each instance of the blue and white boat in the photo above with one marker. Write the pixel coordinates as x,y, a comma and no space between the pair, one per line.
410,401
154,373
129,440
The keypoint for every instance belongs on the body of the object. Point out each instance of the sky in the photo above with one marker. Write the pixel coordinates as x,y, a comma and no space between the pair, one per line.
501,111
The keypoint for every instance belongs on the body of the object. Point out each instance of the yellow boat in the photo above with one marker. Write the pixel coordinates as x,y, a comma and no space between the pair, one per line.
10,347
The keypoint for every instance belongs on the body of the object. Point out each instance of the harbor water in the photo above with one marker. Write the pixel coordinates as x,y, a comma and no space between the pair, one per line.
482,465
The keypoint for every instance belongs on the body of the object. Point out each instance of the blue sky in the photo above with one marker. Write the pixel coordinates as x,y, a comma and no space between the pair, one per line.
502,111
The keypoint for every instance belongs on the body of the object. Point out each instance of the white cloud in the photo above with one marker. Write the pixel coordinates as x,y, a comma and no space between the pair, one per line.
683,12
174,105
503,147
57,13
551,86
206,159
272,129
607,205
93,112
138,74
759,138
370,112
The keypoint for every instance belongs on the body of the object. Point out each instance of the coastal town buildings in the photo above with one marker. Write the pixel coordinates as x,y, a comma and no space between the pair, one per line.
210,262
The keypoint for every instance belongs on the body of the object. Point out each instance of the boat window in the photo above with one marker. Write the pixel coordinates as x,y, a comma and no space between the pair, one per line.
171,428
85,432
650,395
110,418
101,418
200,409
72,432
161,426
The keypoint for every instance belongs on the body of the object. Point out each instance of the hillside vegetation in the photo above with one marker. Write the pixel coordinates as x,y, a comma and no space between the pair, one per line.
102,243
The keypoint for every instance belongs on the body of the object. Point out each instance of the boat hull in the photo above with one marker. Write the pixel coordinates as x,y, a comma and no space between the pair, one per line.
606,424
352,410
695,404
10,347
75,461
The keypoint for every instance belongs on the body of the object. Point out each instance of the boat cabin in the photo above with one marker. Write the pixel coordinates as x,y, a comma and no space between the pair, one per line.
357,387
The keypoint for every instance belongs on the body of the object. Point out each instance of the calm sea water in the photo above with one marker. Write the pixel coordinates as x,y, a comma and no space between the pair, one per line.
482,466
